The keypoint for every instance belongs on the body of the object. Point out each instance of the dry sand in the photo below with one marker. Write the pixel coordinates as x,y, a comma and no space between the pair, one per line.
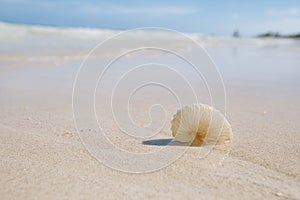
42,156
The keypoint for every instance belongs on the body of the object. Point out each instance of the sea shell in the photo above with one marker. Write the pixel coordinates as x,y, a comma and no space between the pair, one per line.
200,123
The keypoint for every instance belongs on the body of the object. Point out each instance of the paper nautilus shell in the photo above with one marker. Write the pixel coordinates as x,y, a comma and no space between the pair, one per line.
199,124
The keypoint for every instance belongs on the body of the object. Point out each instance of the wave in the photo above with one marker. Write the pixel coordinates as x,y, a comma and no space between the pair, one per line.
17,32
10,31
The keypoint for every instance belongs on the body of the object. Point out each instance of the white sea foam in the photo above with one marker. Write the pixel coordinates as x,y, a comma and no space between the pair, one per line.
9,32
16,32
19,31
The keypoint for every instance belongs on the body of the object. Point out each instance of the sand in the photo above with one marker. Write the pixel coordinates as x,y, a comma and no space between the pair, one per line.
42,156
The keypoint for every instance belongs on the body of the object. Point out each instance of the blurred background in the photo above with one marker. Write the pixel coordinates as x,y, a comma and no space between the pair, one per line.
220,18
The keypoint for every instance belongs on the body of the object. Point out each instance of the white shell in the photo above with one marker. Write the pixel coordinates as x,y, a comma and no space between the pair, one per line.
200,123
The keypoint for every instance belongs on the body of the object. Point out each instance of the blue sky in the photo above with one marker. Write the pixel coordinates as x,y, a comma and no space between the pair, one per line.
204,16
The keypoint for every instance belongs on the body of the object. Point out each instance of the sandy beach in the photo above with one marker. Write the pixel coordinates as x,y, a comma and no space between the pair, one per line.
43,157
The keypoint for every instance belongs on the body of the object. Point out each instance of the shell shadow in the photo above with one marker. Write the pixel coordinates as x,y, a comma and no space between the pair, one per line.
165,142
